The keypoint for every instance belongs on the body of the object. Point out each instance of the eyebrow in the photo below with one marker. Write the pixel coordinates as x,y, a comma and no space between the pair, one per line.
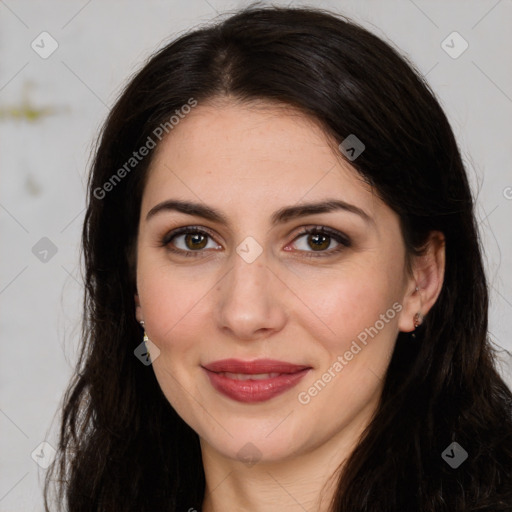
279,217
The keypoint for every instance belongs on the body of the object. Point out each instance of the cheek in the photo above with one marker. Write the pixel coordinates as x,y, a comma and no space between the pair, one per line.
171,299
354,341
174,309
353,350
343,305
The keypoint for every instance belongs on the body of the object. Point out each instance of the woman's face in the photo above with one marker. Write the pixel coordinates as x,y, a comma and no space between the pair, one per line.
251,285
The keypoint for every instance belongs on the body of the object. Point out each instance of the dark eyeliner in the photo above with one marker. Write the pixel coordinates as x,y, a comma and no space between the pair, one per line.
342,239
166,240
185,229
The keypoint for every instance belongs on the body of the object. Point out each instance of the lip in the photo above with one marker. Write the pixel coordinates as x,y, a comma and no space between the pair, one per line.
251,390
253,367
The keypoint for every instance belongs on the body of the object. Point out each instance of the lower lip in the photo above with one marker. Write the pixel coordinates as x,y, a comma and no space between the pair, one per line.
254,390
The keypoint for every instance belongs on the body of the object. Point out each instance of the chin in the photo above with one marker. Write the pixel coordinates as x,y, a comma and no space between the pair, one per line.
251,443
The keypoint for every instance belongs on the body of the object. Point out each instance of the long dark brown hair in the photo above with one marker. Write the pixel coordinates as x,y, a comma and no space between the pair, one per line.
123,447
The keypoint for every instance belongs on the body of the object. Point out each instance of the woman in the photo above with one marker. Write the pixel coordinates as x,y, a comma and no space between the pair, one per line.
279,209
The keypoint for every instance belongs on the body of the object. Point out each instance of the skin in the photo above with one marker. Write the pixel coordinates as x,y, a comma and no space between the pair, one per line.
248,161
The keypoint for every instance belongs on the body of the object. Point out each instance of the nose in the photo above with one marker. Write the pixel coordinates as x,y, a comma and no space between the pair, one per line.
250,305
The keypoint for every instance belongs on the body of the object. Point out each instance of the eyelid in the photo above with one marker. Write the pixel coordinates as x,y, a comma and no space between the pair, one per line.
185,230
343,240
326,230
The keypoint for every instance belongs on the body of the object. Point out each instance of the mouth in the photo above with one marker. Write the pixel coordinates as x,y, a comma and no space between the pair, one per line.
247,376
254,381
258,366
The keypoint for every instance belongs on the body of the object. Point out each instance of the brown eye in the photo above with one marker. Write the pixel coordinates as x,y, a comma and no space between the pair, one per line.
195,241
188,241
319,239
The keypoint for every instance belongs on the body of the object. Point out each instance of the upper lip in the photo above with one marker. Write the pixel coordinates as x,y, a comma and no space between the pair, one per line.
254,367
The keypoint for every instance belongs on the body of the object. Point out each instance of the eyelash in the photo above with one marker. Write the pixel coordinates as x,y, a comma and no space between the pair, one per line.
343,240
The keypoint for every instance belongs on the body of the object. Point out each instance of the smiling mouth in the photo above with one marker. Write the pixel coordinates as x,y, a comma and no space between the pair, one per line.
249,376
255,367
250,388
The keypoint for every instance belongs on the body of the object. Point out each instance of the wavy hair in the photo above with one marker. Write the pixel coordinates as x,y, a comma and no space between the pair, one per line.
123,448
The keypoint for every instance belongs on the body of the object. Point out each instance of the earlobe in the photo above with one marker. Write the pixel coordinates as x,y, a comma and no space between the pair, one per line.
417,321
426,283
411,315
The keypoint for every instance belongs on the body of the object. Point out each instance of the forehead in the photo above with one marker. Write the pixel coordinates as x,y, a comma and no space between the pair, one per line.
258,154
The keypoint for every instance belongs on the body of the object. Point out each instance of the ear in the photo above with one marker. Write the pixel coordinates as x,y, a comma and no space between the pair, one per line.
138,309
428,276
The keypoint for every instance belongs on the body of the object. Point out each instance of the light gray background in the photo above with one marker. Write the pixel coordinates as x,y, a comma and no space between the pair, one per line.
43,165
